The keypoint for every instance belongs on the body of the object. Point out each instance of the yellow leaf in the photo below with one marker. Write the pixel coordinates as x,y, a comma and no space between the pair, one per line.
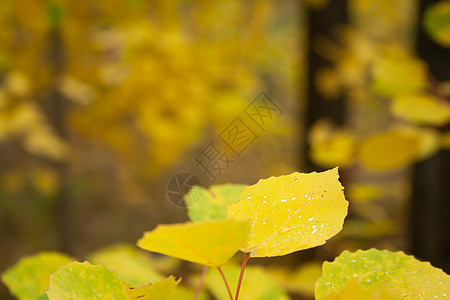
381,274
421,109
291,213
209,243
131,264
154,291
330,146
397,72
388,150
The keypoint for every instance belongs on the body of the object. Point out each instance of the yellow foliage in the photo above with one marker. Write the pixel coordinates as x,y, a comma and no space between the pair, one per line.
421,109
209,243
291,213
388,150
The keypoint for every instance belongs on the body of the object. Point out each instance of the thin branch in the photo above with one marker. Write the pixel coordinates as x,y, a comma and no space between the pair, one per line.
200,282
244,263
226,283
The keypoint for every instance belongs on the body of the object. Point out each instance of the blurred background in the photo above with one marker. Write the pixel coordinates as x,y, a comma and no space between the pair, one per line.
103,102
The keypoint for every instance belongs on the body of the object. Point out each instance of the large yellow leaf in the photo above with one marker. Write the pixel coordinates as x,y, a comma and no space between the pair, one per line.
389,150
209,243
159,290
291,212
421,109
376,274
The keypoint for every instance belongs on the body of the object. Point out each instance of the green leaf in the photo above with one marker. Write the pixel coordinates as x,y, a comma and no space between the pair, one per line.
291,213
211,204
209,243
374,273
436,22
154,291
256,284
80,281
30,276
131,265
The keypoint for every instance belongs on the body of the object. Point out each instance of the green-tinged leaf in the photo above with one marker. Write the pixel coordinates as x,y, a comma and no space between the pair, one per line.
389,150
436,22
211,204
30,276
421,109
79,281
381,275
209,243
398,73
256,284
154,291
131,265
291,213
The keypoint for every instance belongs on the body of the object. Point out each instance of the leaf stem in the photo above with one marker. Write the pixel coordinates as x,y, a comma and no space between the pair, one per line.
226,283
200,282
244,263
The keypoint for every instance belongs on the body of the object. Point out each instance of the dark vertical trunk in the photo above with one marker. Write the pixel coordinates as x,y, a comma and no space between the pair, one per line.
322,23
430,223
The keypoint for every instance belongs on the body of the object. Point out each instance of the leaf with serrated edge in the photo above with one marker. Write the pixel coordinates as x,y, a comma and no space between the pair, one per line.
158,290
291,213
79,281
30,276
211,204
210,243
395,274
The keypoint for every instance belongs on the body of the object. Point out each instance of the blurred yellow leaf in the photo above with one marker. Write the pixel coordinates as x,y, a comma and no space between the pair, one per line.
159,290
132,266
327,83
291,213
17,84
300,280
29,278
388,150
363,192
209,243
436,22
398,73
330,146
421,109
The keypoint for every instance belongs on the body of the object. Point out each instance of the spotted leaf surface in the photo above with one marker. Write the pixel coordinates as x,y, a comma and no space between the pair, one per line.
211,204
209,243
377,274
160,290
30,276
291,213
85,281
